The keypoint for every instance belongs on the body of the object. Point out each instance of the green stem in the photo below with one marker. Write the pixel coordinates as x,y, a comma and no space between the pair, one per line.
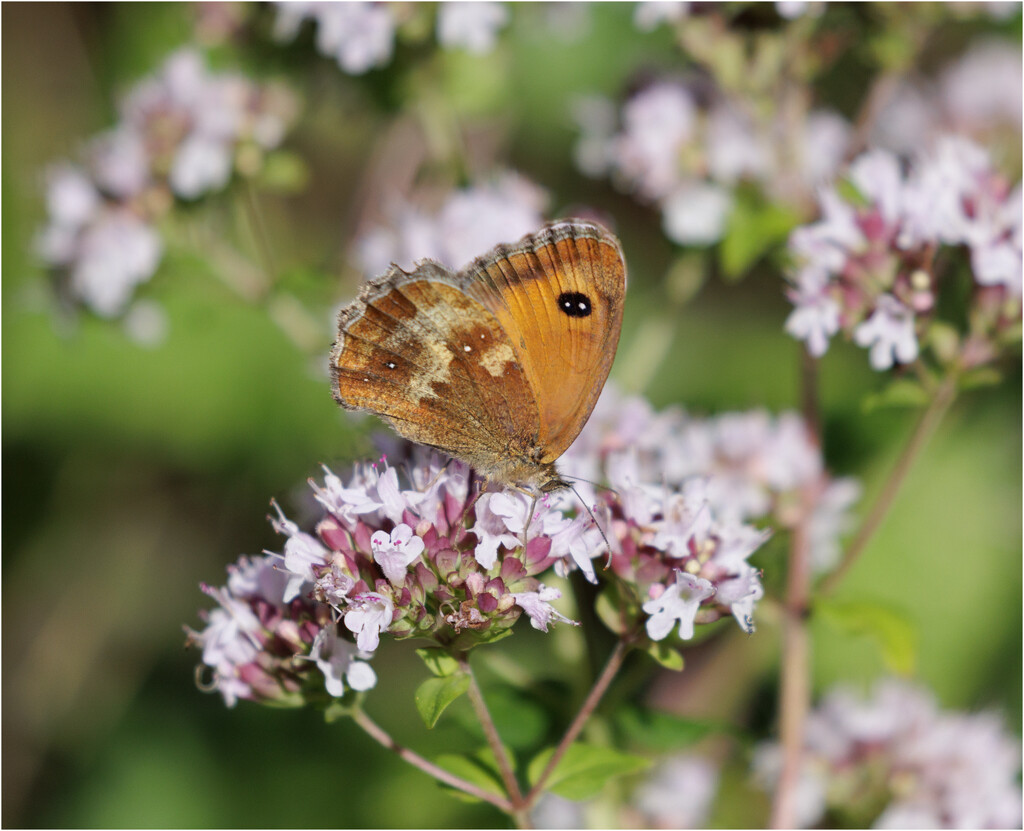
589,705
483,715
944,396
379,735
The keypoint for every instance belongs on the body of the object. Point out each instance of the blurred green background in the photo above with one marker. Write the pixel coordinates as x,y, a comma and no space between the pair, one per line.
131,473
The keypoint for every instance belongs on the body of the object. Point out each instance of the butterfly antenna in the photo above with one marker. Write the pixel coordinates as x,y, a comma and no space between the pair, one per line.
592,517
529,519
597,485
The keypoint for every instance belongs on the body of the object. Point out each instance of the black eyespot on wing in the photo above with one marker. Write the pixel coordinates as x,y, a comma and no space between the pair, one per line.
574,304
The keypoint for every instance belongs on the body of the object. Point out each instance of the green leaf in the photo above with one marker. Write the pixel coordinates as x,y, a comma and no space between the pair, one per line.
584,769
665,655
480,769
609,609
983,376
439,662
522,721
901,392
754,228
891,629
663,731
435,694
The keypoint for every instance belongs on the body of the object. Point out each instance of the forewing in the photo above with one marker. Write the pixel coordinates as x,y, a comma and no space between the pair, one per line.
558,295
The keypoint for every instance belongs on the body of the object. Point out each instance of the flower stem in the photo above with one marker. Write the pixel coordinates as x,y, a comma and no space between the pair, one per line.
795,682
613,665
379,735
944,396
795,693
483,715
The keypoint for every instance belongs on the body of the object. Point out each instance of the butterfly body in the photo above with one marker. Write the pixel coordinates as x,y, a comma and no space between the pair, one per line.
499,364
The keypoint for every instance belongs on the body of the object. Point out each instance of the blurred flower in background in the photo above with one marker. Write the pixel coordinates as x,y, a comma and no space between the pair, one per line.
183,133
678,792
686,149
468,222
895,760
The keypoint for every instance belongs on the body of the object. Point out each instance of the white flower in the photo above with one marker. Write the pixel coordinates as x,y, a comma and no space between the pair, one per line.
396,553
907,118
367,616
984,88
540,611
360,36
826,245
579,540
491,527
826,140
114,254
680,601
816,316
679,792
476,219
656,124
696,213
120,162
336,659
735,149
395,502
228,636
71,198
201,164
889,332
687,518
347,504
301,552
470,221
831,518
650,14
877,176
472,26
741,594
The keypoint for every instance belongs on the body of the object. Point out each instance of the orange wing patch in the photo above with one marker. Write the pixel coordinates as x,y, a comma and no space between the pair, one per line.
559,297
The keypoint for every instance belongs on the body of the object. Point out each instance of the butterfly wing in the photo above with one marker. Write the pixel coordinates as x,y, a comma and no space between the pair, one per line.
436,364
558,295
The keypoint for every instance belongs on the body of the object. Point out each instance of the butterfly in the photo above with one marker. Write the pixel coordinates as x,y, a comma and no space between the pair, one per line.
498,364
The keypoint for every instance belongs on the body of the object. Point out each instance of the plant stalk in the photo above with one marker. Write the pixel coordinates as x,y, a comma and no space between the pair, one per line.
611,668
380,736
483,715
944,396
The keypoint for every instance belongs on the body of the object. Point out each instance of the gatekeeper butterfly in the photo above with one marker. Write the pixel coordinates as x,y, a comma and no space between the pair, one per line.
499,364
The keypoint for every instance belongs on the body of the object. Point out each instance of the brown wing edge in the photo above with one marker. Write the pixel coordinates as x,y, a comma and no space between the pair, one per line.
549,234
378,287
